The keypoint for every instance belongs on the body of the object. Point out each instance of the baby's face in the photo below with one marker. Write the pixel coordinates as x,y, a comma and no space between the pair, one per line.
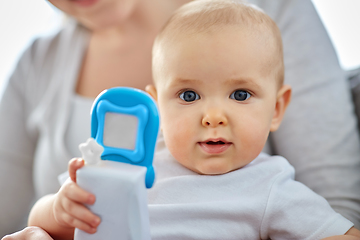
216,100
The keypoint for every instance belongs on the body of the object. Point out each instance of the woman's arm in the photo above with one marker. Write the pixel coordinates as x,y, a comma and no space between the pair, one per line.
319,134
17,147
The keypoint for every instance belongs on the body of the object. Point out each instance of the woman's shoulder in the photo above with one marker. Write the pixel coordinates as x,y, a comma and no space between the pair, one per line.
48,58
46,49
49,63
279,9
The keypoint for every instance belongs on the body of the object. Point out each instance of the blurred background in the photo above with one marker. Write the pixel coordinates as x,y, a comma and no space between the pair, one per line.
23,20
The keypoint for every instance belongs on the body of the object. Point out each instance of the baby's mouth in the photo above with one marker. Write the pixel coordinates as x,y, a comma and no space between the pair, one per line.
215,146
215,143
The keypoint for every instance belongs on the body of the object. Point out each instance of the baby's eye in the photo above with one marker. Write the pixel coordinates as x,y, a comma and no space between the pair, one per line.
189,96
240,95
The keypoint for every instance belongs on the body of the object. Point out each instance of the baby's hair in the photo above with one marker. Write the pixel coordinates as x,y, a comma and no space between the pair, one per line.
203,16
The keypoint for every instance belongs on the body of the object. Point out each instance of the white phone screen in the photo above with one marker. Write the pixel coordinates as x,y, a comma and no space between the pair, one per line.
120,130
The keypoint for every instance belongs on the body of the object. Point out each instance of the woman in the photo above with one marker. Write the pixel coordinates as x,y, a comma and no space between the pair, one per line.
45,109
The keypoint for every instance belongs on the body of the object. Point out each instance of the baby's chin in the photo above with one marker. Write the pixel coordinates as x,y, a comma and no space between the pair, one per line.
213,168
216,171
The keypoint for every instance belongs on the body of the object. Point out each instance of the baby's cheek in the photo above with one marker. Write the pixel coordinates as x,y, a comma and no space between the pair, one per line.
178,138
255,142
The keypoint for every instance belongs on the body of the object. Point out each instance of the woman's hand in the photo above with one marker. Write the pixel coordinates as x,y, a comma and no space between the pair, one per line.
29,233
68,209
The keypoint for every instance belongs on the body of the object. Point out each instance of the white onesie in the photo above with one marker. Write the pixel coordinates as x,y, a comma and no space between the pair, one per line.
258,201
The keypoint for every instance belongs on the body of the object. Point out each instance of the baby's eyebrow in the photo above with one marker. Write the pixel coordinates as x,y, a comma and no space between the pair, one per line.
242,81
184,81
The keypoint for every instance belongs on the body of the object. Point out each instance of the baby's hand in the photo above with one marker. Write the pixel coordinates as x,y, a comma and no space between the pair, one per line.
69,209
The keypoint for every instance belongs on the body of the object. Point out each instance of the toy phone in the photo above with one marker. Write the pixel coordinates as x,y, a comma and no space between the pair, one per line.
125,125
125,122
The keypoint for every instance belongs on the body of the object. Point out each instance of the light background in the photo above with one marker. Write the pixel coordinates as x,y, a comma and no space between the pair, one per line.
23,20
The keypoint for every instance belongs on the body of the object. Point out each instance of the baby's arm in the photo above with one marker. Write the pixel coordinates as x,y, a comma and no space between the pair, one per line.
352,234
59,214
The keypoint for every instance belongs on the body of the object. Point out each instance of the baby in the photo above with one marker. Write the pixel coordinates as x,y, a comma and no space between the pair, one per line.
218,80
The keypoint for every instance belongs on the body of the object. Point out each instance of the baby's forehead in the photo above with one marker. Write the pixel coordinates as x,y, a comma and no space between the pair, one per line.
191,26
223,39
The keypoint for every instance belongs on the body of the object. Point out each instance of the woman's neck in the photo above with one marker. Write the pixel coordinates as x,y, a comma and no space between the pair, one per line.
121,55
145,21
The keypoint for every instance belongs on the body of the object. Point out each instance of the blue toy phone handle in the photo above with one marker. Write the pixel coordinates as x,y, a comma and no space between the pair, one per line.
130,101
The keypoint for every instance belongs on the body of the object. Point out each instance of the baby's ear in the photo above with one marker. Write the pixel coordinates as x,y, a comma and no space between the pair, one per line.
150,89
282,101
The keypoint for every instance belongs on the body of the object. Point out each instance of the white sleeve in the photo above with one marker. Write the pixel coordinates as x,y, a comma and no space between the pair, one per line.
294,211
319,134
17,148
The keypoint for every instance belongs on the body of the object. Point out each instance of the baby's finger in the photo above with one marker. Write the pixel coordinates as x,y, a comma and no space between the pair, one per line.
80,212
83,214
73,166
77,194
77,223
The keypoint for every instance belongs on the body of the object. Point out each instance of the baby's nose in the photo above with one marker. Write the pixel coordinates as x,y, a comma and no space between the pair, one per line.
214,118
